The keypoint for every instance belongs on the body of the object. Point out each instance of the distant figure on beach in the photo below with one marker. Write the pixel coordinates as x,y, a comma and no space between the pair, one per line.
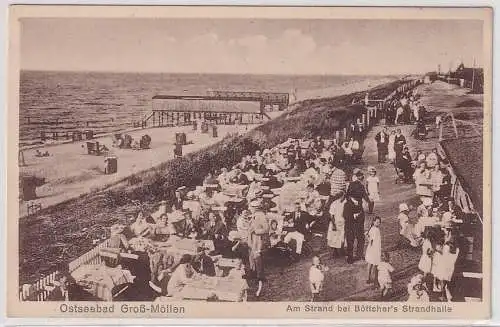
382,139
40,154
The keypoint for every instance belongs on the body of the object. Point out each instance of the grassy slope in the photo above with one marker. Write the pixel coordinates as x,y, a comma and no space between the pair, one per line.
63,232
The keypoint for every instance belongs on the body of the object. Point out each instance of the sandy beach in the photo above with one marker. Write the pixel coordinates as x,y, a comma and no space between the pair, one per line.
70,172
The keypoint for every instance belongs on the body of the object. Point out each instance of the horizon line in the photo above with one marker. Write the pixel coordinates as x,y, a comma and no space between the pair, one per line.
212,73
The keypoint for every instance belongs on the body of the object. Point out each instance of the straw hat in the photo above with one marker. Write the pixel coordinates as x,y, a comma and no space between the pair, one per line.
427,202
371,168
176,216
255,204
403,207
233,235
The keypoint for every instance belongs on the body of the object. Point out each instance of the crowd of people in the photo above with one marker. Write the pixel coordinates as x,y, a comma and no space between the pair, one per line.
274,203
279,202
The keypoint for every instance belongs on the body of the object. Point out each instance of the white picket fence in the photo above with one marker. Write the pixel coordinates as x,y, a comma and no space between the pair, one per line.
43,288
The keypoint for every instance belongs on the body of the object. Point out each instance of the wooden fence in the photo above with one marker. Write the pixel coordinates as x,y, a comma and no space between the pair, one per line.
43,288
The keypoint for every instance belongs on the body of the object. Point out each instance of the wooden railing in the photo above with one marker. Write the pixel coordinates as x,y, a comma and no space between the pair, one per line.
43,288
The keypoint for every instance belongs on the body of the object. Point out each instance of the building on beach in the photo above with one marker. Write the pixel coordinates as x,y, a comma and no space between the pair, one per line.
472,78
465,156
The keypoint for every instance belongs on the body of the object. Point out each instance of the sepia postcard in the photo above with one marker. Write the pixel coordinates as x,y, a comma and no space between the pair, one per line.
249,162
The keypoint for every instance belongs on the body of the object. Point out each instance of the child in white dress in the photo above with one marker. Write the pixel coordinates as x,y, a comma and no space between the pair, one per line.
316,277
372,187
384,275
373,250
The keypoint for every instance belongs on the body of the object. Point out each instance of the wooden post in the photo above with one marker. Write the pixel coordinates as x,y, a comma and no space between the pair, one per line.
368,117
345,135
363,120
454,125
337,136
441,131
21,158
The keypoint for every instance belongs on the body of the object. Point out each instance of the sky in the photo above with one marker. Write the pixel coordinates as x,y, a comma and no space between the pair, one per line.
236,46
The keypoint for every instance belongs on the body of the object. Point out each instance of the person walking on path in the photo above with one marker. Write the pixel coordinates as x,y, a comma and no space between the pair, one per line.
373,250
316,278
382,139
354,216
372,187
385,269
399,141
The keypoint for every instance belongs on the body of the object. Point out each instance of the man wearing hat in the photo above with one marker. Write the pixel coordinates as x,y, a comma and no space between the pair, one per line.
258,232
297,227
354,216
178,200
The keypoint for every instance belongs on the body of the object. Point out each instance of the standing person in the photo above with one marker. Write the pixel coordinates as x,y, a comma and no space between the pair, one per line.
338,179
399,141
385,269
392,153
336,232
372,187
406,228
258,231
354,216
316,278
374,250
382,139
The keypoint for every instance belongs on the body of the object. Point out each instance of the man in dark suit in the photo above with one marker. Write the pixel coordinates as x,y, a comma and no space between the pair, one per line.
382,139
355,217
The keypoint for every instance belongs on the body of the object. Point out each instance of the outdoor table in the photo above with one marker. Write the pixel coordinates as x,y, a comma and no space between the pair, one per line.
229,289
100,281
177,247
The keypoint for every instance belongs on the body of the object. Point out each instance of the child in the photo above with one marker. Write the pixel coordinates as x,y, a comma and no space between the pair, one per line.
316,277
374,249
417,292
372,184
384,275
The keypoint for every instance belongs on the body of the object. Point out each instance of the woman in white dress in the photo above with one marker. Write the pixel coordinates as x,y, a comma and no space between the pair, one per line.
372,187
374,250
444,269
336,234
392,153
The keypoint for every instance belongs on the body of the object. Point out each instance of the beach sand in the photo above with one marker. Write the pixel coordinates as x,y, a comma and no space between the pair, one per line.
70,172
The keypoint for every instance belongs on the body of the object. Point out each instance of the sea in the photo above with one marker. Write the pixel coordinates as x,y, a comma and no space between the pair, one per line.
107,102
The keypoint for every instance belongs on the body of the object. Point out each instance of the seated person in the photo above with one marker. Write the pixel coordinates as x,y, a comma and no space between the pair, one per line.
162,266
215,230
163,229
117,239
296,226
294,172
207,199
181,276
202,263
140,227
162,209
239,248
210,179
239,178
192,205
309,196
